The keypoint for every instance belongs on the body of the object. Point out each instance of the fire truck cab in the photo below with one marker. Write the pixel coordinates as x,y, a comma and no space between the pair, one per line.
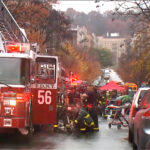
44,89
28,88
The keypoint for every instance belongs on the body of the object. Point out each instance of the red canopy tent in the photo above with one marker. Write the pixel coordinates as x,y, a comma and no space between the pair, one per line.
111,86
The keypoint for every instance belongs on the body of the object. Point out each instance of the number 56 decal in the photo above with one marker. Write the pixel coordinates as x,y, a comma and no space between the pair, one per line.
44,97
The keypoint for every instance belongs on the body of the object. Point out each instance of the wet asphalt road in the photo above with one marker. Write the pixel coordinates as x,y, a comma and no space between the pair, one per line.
105,139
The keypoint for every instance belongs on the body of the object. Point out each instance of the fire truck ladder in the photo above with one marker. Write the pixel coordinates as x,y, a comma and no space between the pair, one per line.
9,29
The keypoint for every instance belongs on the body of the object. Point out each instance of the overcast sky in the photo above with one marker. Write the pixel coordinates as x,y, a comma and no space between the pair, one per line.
85,6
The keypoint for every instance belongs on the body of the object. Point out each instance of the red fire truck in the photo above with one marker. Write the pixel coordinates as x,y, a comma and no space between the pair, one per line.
28,82
28,86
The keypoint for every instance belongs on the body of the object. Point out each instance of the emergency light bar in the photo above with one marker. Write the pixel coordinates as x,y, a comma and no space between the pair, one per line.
18,47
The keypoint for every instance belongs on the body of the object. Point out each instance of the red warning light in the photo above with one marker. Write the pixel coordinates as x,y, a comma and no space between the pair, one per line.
11,48
17,47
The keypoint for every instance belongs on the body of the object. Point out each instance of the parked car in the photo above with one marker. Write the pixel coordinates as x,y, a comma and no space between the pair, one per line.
134,109
141,123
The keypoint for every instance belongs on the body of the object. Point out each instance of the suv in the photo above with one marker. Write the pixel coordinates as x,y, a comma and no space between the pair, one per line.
134,108
141,123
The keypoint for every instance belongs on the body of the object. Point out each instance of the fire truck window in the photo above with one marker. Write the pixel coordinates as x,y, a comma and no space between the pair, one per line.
25,71
14,71
46,71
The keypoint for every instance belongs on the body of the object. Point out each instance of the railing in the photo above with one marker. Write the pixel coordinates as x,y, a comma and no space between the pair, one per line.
2,44
11,24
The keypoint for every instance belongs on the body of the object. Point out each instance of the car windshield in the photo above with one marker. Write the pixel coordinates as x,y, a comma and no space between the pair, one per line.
14,71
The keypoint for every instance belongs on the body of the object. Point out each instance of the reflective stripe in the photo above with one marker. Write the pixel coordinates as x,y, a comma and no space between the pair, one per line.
87,116
85,123
95,128
55,126
76,121
82,129
92,123
59,106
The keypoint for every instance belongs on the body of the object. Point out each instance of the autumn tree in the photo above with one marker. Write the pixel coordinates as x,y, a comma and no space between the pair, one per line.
43,25
80,62
137,60
57,30
134,65
104,56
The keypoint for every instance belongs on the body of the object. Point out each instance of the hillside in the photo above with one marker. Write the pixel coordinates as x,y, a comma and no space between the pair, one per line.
98,23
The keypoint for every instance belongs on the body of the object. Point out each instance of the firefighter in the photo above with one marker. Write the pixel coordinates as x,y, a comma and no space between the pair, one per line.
91,105
61,110
72,95
103,99
84,121
113,102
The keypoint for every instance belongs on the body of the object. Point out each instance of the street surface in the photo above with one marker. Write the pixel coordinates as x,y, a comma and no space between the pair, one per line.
114,76
105,139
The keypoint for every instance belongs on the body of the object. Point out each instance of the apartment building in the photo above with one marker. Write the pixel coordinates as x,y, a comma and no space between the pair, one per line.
113,42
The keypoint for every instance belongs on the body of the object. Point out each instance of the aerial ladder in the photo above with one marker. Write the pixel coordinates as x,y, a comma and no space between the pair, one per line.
9,29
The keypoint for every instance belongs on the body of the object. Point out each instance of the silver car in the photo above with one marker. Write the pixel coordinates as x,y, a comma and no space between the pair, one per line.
141,123
134,109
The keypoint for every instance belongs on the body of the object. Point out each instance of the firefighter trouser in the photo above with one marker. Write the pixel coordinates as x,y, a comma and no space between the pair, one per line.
61,115
103,109
94,115
79,125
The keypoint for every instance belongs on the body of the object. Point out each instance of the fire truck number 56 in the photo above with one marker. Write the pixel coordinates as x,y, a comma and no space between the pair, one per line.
44,97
